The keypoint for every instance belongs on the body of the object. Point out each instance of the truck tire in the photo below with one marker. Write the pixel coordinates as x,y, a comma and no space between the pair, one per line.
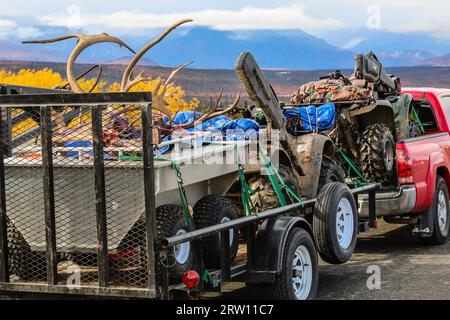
440,212
299,275
23,262
210,211
377,156
335,223
170,222
331,171
265,197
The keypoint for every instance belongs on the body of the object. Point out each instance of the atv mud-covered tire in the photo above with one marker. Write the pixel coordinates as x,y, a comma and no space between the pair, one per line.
210,211
23,262
170,222
264,195
335,223
377,156
331,171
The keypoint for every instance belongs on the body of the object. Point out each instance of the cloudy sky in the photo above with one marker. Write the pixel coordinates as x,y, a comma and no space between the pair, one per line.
24,18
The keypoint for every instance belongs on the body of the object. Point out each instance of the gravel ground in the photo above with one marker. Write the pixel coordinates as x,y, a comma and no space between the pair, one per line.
408,270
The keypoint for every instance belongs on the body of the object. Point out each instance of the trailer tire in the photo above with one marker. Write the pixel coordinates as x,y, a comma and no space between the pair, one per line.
210,211
440,212
299,283
23,262
331,171
377,155
170,222
335,223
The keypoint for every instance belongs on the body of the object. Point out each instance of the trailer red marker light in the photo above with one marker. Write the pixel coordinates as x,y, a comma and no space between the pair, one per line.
191,279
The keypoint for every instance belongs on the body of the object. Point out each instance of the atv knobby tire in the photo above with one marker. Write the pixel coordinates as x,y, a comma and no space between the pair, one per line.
377,156
331,171
264,195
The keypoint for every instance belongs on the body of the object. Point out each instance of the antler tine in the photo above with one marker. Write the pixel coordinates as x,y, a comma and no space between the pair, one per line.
84,41
70,36
140,54
97,80
66,85
219,101
213,114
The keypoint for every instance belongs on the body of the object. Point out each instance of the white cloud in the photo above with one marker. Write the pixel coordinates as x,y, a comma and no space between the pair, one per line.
7,23
284,17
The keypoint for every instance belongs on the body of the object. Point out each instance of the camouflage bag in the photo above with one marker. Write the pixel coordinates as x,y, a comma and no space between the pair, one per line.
332,90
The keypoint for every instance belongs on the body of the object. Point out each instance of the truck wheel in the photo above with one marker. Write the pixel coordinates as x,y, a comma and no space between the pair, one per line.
265,197
441,214
170,222
335,223
210,211
26,264
332,171
378,154
299,275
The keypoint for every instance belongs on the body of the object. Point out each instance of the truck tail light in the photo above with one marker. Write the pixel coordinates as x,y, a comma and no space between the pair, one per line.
404,167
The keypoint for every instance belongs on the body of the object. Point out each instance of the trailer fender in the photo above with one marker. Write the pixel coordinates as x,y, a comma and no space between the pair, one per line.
271,241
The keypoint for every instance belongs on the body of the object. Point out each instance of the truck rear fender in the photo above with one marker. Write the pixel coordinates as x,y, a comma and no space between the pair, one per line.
271,240
437,166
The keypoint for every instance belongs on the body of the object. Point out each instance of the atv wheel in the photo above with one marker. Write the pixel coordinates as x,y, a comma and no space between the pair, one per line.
170,222
440,212
299,275
332,171
335,223
265,197
26,264
378,154
210,211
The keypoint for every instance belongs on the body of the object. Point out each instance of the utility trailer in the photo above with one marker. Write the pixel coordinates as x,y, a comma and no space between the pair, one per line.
94,220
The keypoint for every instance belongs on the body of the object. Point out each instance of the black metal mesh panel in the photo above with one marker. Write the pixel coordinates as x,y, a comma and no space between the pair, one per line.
74,198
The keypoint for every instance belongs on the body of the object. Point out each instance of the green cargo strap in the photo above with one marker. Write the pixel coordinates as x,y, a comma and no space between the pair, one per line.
182,192
278,184
246,193
206,277
352,166
416,116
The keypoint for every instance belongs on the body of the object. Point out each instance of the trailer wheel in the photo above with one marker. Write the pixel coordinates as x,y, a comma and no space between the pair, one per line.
378,154
440,212
335,223
170,222
24,263
332,171
299,275
210,211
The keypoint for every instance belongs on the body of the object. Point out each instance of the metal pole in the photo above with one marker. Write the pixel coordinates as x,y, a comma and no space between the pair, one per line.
100,197
49,196
4,270
149,194
225,260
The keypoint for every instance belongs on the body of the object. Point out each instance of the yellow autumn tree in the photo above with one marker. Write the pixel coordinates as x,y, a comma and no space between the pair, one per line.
47,78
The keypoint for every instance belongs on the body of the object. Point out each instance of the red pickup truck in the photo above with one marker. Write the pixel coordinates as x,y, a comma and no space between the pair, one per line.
422,198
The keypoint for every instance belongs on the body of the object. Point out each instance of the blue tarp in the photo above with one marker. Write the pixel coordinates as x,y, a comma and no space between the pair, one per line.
311,118
235,130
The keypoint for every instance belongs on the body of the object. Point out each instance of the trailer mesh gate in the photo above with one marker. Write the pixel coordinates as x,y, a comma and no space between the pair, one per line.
76,198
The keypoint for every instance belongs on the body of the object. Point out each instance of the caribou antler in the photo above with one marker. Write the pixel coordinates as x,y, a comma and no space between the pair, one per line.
84,41
129,70
214,113
97,78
